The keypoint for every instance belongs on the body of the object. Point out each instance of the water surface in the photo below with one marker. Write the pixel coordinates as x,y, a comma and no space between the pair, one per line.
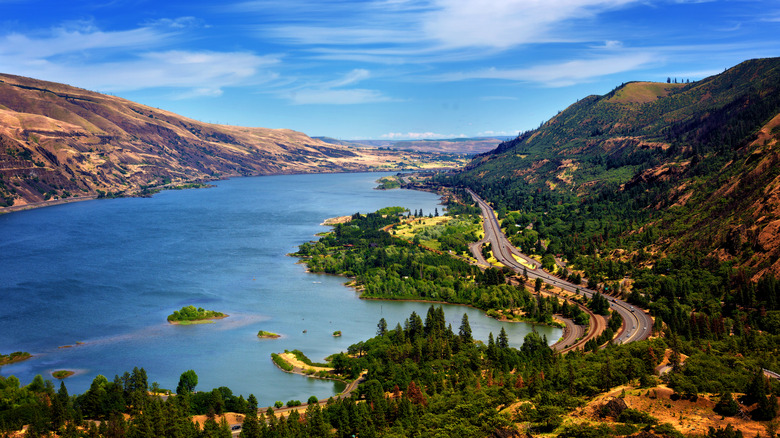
105,274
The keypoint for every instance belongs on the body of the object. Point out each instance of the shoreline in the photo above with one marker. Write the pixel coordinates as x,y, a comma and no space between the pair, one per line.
209,320
44,204
351,283
301,371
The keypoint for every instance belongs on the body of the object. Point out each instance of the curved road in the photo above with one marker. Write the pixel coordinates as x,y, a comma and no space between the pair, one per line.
637,324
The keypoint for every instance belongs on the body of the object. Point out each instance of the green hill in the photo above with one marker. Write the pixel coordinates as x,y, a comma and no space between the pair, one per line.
683,169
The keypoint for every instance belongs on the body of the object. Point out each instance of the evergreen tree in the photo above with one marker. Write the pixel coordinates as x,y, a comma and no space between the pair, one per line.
465,329
413,326
503,340
727,406
381,328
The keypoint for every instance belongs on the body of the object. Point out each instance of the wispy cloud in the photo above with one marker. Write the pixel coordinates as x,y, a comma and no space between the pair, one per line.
62,41
507,23
334,92
561,74
496,133
496,98
133,59
420,136
403,31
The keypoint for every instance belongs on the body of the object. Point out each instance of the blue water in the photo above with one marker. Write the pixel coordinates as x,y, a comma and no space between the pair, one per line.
105,274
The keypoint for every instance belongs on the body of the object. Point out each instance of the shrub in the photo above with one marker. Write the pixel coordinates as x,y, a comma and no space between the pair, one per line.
634,416
727,406
281,363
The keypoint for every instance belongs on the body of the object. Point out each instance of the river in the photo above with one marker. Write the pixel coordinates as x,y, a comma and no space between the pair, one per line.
87,286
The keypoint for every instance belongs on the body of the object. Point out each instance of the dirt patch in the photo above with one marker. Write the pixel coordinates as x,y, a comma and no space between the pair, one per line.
231,417
292,360
688,417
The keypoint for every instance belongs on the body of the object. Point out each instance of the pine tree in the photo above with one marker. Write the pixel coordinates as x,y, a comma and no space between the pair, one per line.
381,328
251,425
503,339
465,329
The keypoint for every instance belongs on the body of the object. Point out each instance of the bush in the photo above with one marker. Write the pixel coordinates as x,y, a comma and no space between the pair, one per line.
636,417
293,403
727,406
313,400
281,363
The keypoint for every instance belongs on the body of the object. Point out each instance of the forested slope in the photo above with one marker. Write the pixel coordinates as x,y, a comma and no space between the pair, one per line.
665,194
684,168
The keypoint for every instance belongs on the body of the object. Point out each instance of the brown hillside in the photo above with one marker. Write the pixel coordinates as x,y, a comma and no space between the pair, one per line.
58,141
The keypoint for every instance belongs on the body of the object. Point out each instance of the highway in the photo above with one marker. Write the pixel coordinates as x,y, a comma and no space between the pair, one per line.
637,324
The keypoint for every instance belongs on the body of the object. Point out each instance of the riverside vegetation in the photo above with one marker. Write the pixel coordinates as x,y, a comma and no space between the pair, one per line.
393,268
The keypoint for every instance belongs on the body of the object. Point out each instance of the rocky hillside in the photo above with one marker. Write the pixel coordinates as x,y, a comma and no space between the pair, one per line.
58,141
685,168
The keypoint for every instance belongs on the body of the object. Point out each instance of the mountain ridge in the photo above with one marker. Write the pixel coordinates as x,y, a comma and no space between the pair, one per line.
58,141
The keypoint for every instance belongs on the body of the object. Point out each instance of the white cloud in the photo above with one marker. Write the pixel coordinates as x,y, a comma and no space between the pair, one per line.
176,23
420,136
496,133
561,74
62,41
772,18
333,93
84,56
350,78
507,23
612,44
335,97
401,31
495,98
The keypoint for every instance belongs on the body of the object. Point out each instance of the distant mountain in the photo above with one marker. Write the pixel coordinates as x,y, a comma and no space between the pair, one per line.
470,146
696,166
58,141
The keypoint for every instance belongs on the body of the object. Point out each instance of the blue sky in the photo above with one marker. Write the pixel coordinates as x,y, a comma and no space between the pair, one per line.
384,69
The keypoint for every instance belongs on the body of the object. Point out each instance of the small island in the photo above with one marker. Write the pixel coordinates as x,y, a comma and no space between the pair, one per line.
62,374
14,357
191,315
262,334
337,333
